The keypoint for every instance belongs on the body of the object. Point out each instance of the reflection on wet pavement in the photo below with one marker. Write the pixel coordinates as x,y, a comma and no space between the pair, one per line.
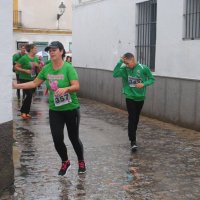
166,165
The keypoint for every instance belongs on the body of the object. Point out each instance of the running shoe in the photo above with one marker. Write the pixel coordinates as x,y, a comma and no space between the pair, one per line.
64,168
24,116
82,167
28,116
133,146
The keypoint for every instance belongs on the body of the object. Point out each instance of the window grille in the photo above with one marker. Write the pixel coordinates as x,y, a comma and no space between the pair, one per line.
146,33
192,19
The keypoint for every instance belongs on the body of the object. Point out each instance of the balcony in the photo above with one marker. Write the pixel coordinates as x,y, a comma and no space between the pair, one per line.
18,26
17,19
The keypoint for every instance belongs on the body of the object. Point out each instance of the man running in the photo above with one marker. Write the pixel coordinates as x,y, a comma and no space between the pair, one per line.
27,65
136,77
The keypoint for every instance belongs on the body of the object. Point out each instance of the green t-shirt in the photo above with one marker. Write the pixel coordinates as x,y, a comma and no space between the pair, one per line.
26,63
15,58
63,76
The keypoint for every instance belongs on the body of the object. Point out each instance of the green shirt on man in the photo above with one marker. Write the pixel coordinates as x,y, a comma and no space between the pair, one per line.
131,76
27,63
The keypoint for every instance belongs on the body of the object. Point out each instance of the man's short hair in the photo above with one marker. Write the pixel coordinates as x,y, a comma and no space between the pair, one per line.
29,47
128,56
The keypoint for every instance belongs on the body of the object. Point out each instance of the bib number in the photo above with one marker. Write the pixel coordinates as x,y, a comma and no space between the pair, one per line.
133,81
62,100
33,74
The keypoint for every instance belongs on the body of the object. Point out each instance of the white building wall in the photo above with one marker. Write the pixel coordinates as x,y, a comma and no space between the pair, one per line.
174,56
6,61
104,30
43,14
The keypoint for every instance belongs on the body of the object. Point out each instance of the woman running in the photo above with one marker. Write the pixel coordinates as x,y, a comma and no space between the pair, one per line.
62,83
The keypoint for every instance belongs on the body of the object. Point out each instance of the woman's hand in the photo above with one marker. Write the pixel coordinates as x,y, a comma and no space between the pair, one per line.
60,91
36,64
139,85
74,87
28,71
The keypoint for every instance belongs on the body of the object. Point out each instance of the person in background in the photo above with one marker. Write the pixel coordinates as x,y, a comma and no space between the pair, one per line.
62,83
27,65
41,65
15,58
37,70
136,77
69,59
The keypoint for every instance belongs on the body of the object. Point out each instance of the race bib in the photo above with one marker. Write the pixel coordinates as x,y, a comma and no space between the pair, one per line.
62,100
33,74
133,81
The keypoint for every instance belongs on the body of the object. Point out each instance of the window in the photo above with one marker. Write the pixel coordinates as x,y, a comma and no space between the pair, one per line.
40,45
146,33
40,48
20,43
192,19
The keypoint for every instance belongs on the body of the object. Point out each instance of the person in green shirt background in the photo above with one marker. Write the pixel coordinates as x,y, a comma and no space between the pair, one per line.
27,65
15,58
62,83
136,77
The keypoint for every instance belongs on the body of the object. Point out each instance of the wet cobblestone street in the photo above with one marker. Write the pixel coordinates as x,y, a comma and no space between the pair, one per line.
165,167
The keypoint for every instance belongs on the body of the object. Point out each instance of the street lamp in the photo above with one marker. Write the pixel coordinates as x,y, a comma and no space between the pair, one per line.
61,10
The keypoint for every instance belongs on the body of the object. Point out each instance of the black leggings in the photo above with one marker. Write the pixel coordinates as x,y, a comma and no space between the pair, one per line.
134,108
57,121
28,98
18,90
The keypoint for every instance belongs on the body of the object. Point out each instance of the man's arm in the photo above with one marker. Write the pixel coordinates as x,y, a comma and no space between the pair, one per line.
19,68
118,70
